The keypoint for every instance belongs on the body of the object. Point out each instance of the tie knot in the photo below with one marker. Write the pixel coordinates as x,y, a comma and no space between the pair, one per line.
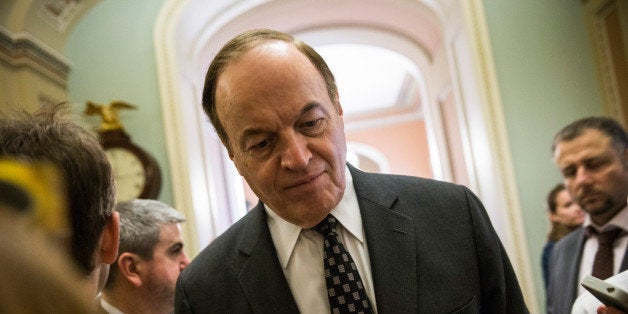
605,237
327,225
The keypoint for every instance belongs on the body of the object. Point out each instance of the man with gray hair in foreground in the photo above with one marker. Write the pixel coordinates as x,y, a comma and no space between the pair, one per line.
151,256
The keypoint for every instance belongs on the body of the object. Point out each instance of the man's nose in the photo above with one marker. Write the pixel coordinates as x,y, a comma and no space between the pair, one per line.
583,176
295,154
185,261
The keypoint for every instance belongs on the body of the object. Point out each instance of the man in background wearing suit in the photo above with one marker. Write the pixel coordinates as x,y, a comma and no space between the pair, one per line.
592,155
414,245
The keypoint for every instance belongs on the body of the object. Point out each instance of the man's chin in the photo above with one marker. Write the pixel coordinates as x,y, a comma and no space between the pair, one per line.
597,208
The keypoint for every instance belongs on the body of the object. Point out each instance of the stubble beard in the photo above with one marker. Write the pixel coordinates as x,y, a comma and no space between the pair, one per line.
161,293
599,210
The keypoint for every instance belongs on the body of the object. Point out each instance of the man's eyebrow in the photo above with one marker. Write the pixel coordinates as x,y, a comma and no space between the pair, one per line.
312,106
176,245
255,131
252,131
567,168
248,133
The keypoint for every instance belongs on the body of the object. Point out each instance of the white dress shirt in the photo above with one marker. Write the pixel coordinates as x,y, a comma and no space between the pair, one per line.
300,253
109,308
591,245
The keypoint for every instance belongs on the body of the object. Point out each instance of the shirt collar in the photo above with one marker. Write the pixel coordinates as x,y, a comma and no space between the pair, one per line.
109,308
286,234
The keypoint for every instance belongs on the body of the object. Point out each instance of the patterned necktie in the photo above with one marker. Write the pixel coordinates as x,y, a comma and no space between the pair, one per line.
603,263
344,286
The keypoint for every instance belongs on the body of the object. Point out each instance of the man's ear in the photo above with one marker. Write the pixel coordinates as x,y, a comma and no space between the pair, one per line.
108,243
338,105
235,163
128,268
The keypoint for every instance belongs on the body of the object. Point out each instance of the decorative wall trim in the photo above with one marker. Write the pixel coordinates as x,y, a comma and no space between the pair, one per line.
598,16
24,50
164,43
59,13
496,128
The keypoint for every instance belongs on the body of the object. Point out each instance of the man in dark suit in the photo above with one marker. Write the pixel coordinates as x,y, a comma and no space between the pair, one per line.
417,245
592,155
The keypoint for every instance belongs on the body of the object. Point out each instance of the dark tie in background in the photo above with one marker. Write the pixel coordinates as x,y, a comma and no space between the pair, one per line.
603,263
345,289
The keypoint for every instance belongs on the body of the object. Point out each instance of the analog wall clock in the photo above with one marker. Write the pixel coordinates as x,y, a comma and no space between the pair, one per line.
136,172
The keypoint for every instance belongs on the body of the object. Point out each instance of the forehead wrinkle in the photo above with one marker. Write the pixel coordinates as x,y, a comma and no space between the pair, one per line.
578,156
583,145
288,121
261,130
269,59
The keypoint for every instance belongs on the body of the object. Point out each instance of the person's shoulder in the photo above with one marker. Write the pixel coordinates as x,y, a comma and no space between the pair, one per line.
229,239
405,181
568,242
549,245
222,248
414,193
218,263
569,239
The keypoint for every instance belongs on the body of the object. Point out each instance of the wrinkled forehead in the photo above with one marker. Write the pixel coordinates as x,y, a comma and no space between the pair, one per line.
273,78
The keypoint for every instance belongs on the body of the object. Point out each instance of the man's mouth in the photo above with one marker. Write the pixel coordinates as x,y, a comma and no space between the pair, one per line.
589,196
308,179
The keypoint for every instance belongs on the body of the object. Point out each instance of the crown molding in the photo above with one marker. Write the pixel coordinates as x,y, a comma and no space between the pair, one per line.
25,50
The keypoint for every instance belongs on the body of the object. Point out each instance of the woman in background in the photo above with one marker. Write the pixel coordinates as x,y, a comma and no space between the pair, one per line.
565,216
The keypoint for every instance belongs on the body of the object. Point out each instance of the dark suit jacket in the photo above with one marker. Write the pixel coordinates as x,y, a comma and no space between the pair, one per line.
564,268
431,245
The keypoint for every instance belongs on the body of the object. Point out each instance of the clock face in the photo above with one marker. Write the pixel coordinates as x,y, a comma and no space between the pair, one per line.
129,173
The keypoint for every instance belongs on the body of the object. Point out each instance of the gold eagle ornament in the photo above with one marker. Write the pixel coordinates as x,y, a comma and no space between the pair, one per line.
108,113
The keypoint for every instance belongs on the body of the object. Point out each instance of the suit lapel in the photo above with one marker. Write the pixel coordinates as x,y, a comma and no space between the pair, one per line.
573,282
261,276
391,244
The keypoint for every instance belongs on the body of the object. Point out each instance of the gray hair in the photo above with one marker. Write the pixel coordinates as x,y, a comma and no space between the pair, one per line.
140,223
